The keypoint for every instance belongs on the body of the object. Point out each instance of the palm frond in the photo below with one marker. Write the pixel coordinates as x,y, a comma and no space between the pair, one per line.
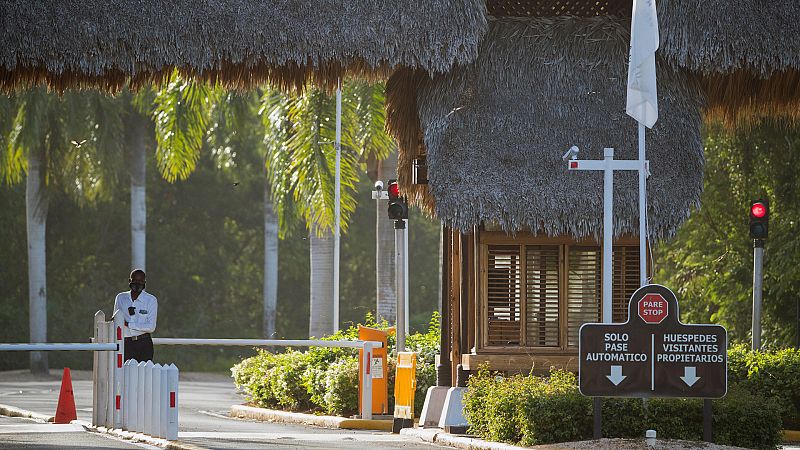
181,116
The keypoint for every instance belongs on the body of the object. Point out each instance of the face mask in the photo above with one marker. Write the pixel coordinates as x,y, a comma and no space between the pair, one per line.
136,287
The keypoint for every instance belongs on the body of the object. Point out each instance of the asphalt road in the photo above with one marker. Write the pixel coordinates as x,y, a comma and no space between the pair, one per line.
18,433
205,401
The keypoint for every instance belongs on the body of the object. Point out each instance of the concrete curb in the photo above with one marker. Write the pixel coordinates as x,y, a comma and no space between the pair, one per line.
12,411
437,436
271,415
140,437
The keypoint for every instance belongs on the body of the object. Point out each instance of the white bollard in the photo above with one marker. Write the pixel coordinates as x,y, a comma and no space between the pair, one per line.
119,377
148,398
172,414
141,368
126,372
155,393
97,369
650,438
163,402
131,394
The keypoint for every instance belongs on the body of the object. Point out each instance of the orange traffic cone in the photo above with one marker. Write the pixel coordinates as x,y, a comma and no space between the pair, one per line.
65,412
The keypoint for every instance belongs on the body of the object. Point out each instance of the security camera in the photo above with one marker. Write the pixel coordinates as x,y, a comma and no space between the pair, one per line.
572,153
379,185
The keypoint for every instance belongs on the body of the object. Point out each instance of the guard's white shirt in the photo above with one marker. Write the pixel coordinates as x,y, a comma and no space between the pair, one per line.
144,318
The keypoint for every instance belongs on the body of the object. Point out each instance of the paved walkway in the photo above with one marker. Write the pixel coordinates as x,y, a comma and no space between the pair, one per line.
205,401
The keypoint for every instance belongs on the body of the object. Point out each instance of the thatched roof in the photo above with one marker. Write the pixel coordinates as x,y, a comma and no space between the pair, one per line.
748,52
495,130
239,42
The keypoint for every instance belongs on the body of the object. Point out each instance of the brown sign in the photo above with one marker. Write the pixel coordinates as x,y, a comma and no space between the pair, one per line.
653,354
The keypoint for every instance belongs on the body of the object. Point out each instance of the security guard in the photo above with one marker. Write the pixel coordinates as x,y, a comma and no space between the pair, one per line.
140,309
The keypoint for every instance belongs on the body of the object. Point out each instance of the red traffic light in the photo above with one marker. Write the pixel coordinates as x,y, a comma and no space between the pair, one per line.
758,210
394,190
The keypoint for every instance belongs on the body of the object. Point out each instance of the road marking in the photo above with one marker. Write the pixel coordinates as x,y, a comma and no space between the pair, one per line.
41,428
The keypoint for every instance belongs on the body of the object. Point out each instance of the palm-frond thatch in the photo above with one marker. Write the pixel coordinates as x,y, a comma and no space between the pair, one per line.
237,42
747,51
495,130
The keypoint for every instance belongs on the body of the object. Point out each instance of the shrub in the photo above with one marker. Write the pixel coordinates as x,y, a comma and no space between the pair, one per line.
327,378
747,420
553,410
540,410
772,374
341,387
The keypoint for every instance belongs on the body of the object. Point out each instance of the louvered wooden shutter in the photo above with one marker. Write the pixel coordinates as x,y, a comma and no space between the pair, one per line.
584,289
626,280
541,299
504,292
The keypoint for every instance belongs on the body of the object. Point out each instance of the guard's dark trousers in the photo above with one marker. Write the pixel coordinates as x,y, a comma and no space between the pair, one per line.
139,348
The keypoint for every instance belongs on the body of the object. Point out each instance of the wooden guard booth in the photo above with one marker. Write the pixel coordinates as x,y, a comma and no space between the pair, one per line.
481,146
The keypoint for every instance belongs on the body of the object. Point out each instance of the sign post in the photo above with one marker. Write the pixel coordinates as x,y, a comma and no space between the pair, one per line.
653,354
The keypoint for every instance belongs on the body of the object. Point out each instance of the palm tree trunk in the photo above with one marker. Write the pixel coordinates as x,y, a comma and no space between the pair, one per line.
384,249
138,192
270,263
36,212
321,314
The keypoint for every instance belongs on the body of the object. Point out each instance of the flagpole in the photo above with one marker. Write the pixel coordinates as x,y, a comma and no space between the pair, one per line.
642,208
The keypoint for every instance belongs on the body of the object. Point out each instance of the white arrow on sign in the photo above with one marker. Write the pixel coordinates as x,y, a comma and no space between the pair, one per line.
616,376
690,376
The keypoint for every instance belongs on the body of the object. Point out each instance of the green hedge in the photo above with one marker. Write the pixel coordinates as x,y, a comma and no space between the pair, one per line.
774,374
326,379
531,410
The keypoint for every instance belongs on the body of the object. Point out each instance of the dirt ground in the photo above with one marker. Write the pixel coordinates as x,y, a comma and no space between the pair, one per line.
634,444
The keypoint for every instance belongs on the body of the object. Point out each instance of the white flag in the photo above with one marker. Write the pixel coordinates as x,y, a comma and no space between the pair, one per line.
642,104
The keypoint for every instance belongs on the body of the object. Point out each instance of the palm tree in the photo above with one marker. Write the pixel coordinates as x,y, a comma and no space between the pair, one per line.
306,172
56,142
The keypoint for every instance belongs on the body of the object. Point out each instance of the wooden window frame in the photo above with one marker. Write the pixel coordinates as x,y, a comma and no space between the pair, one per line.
487,238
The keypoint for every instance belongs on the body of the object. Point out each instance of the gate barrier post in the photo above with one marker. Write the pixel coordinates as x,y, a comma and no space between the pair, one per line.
366,376
119,357
99,372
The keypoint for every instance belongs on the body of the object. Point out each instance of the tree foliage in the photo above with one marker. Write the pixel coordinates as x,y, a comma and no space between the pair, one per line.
710,262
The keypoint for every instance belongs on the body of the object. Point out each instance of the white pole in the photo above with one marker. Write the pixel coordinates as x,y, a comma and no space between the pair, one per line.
758,284
400,265
337,206
608,231
172,415
405,277
366,376
642,209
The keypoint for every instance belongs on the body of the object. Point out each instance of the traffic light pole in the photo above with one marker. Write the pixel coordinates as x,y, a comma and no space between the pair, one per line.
758,284
400,282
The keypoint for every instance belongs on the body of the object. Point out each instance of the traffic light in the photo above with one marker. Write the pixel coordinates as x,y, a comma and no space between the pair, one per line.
759,219
398,208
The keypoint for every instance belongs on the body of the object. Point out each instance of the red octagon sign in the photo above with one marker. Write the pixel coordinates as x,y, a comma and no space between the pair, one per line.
653,308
